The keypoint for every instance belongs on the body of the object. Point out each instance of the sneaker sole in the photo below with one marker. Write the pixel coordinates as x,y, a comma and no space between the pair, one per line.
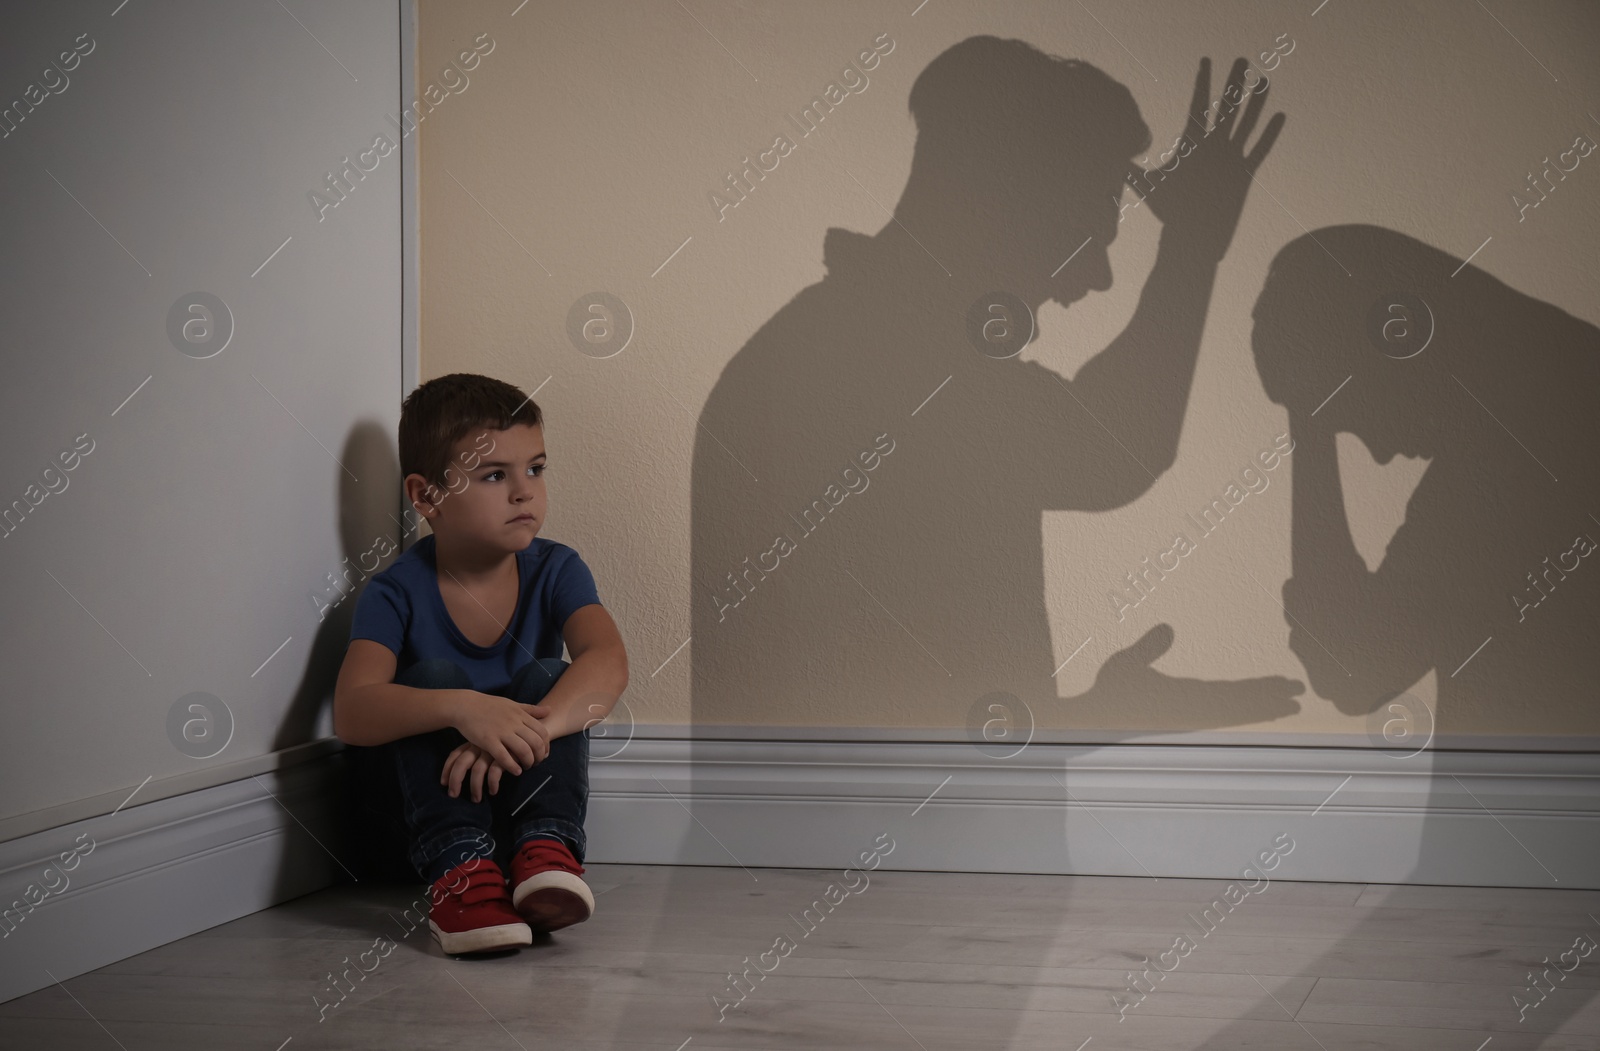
552,900
482,939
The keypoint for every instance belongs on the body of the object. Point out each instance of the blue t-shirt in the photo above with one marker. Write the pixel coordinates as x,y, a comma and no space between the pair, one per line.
401,608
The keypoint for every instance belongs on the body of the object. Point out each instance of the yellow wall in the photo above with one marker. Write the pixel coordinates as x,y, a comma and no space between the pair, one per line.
587,145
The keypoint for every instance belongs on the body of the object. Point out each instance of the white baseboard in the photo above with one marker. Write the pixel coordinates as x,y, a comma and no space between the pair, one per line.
173,866
1479,818
154,872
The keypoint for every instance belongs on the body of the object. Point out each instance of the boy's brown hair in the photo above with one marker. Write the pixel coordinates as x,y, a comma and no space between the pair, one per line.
442,411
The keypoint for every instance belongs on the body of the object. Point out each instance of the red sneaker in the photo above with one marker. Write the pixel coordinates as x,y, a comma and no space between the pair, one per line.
548,892
470,911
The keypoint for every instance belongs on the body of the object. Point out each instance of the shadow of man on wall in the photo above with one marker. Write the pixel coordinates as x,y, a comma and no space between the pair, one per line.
872,467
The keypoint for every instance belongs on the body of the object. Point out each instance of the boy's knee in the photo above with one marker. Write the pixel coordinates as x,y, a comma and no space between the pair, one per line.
576,745
435,673
535,680
569,760
553,666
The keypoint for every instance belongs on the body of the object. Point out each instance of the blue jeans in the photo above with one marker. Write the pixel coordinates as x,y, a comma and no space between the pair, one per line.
398,784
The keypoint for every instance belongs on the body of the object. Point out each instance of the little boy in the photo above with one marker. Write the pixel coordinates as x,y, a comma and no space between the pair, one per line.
453,679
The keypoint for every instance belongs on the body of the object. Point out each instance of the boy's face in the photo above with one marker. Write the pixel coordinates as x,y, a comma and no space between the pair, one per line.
495,497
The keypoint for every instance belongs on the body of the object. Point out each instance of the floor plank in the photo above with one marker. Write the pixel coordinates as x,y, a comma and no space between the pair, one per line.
897,959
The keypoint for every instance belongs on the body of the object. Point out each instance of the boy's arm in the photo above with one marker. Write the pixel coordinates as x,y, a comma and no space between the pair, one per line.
370,708
589,688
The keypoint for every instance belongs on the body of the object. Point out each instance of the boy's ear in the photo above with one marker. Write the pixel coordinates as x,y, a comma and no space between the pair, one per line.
422,494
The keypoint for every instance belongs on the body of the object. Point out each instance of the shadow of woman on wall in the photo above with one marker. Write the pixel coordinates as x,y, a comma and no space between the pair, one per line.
1492,585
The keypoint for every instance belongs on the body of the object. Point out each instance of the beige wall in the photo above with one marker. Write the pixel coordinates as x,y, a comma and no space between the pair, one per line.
980,554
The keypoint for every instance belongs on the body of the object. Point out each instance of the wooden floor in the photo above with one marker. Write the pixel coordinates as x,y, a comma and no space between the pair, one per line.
938,961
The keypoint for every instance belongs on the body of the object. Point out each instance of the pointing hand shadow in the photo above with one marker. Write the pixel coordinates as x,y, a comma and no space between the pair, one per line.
1173,703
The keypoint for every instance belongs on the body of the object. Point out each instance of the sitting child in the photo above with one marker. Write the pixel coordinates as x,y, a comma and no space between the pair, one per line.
453,680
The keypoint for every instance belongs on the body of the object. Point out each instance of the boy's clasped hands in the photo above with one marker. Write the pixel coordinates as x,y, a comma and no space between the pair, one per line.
502,735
